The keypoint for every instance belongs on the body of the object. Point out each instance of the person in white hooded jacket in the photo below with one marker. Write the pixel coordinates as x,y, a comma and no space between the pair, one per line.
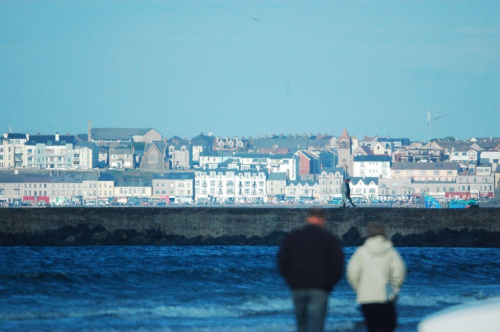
376,272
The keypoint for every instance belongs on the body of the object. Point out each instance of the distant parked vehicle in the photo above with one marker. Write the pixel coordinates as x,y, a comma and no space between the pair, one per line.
463,204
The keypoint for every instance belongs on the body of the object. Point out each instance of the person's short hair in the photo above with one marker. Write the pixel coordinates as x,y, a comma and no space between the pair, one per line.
375,229
348,179
316,212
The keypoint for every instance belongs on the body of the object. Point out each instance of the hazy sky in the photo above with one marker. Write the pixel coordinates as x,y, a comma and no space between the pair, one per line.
244,68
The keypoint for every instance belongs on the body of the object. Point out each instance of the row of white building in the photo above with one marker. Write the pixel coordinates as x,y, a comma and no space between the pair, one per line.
248,184
47,152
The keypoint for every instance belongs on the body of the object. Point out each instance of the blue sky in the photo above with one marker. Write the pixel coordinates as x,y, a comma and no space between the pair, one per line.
248,68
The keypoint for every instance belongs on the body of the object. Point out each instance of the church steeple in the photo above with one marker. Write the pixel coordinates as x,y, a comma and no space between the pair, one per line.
345,152
345,135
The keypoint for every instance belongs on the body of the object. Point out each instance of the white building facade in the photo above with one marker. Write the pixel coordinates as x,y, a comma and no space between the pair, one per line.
230,185
372,166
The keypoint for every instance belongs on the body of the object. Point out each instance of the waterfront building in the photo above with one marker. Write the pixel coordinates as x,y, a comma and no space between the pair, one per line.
114,136
11,188
105,189
372,166
213,159
12,153
121,156
85,155
90,185
302,191
418,152
381,149
179,154
365,188
484,169
103,156
308,162
247,184
173,187
55,187
46,152
393,143
467,157
425,171
475,186
230,144
393,189
37,188
155,157
201,144
492,157
276,186
286,163
49,151
329,181
132,191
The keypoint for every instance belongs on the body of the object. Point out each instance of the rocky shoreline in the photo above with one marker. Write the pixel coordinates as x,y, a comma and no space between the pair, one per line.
83,235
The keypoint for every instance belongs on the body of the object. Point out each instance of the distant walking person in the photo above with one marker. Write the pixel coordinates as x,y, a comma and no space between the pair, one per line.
345,190
311,261
376,272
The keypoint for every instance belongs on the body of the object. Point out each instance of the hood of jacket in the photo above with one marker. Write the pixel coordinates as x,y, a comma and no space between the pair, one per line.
378,245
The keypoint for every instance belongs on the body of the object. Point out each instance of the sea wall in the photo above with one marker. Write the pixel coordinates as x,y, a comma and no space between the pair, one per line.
240,225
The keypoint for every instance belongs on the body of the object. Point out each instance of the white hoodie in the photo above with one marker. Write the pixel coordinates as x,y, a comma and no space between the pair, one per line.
369,272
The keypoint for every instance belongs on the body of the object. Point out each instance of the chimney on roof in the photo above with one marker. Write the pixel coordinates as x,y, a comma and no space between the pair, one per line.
5,135
27,137
89,131
57,137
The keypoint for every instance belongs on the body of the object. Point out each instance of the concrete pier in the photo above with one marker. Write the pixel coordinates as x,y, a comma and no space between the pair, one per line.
241,225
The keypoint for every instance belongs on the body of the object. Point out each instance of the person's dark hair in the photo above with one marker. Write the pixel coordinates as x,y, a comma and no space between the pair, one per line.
375,229
316,212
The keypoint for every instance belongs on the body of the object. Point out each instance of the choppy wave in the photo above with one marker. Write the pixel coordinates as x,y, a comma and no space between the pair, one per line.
209,288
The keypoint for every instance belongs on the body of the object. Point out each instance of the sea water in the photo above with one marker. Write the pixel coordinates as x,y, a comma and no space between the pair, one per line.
209,288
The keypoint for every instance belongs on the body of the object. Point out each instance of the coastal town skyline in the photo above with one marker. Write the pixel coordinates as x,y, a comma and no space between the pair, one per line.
275,134
140,166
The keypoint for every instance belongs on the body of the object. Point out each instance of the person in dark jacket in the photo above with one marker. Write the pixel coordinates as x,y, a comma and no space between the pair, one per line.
311,261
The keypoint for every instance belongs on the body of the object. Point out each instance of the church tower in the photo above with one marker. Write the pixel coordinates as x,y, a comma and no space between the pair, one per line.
345,153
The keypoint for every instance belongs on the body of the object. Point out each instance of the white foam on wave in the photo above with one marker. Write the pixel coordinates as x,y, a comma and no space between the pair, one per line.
252,306
342,306
206,311
255,306
64,313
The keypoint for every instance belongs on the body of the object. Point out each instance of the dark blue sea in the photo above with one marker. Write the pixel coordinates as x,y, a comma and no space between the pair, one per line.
209,288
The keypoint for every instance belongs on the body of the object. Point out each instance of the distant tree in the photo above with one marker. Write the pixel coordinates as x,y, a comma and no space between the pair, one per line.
449,138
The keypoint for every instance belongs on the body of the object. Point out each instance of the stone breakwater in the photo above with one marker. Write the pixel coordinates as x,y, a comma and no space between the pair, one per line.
240,226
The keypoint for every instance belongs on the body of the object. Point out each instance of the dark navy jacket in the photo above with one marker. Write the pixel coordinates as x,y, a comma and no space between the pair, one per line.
311,257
